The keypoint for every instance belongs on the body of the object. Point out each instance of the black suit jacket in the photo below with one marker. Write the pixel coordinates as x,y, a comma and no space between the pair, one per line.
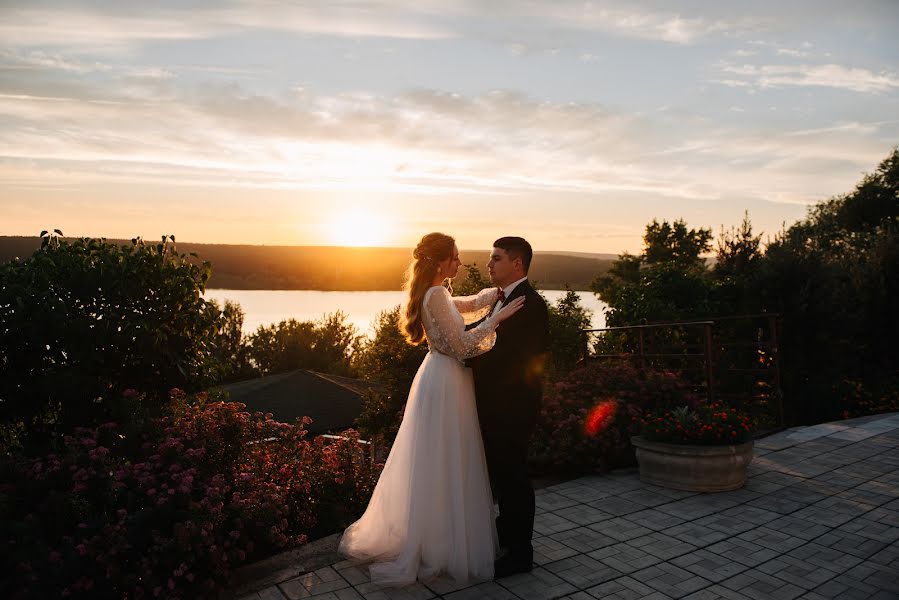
509,378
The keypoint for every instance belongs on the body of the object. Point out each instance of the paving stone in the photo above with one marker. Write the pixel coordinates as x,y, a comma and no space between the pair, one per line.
888,557
583,514
761,586
585,493
654,519
577,596
840,481
646,498
777,503
671,580
355,574
783,479
796,527
884,516
827,558
552,501
620,529
323,580
743,551
445,585
727,524
769,538
822,515
663,546
626,588
878,576
539,584
617,506
695,507
752,514
415,591
808,491
484,591
797,571
850,543
584,539
269,593
547,550
549,523
582,572
696,534
865,527
625,558
709,565
867,496
716,592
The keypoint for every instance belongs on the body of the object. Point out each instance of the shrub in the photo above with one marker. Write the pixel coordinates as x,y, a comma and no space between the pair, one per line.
173,512
586,419
82,320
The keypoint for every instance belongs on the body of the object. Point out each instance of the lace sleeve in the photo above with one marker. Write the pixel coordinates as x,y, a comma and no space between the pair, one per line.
474,308
446,329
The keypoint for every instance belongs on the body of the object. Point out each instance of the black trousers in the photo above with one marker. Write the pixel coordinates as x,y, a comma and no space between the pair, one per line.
506,449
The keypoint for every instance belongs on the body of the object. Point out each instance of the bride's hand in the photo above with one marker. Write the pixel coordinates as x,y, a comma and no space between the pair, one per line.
509,309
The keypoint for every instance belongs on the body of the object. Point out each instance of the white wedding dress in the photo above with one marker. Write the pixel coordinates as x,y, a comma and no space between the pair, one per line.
431,513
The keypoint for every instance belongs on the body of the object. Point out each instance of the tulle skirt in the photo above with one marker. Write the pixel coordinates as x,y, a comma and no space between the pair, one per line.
431,513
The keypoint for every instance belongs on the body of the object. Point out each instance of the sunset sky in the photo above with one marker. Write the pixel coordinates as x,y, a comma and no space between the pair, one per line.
373,122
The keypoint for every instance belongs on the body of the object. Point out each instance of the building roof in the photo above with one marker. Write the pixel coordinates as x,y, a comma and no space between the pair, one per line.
332,402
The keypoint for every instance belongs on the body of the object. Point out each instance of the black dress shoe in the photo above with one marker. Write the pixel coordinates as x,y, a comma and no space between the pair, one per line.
510,564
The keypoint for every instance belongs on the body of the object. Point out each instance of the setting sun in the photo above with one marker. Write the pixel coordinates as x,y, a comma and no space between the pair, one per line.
358,228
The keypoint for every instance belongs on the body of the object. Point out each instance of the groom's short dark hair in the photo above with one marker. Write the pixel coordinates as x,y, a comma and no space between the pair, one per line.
516,247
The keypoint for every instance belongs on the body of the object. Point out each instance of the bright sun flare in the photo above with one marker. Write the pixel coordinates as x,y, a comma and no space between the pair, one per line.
359,228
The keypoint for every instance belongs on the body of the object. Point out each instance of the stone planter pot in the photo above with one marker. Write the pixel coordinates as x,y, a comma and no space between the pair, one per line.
693,468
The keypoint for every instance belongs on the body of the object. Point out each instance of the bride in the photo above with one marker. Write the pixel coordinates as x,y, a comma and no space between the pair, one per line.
432,510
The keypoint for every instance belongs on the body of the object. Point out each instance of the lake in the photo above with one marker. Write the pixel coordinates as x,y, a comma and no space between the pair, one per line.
264,307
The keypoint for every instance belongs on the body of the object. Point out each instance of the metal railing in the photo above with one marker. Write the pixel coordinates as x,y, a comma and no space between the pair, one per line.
716,354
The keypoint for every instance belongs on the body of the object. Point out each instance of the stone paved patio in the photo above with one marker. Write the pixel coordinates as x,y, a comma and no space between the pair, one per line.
818,518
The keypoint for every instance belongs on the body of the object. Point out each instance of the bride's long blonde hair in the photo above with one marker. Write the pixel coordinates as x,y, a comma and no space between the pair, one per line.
431,250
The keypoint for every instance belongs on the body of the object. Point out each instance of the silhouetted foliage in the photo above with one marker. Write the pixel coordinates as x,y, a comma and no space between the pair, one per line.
833,277
231,348
82,320
668,281
326,345
567,320
389,360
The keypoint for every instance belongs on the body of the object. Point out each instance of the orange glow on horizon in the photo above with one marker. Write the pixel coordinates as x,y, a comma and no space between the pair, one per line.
358,227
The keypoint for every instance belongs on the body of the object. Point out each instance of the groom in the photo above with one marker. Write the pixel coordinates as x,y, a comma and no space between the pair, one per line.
508,387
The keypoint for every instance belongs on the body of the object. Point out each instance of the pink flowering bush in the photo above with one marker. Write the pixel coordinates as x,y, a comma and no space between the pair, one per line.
172,513
588,416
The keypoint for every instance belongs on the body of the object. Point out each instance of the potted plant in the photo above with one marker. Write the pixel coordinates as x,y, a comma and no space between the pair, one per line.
705,448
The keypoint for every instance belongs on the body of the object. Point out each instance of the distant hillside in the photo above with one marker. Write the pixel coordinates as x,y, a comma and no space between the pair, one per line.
245,267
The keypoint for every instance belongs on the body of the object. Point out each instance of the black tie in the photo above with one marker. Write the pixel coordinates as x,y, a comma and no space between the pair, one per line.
501,296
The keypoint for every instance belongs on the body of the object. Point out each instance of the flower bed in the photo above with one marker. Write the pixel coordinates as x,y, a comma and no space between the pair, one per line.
715,424
586,419
172,511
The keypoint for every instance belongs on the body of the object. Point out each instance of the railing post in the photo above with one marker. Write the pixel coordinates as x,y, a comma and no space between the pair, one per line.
642,358
772,320
709,367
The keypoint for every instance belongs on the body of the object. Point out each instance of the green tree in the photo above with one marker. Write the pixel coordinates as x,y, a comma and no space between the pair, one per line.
668,281
391,361
567,320
230,345
82,320
326,345
472,283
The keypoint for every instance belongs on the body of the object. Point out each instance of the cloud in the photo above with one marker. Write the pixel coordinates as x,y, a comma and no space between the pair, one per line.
828,75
